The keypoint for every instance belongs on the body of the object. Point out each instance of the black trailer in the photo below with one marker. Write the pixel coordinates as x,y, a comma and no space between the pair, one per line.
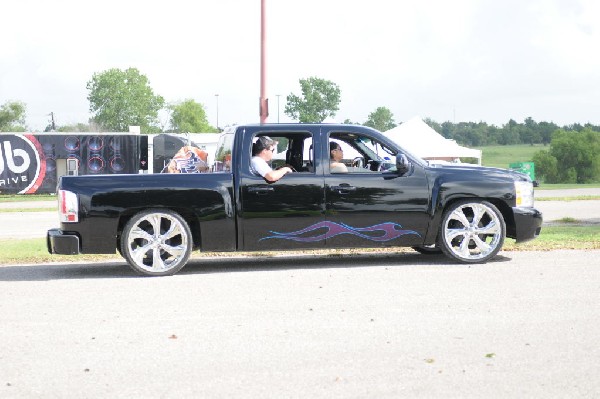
32,162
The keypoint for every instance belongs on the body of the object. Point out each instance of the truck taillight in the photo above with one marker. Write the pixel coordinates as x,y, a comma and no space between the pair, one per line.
68,207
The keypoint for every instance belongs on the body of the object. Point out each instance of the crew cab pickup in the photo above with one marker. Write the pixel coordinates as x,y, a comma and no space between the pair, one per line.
386,198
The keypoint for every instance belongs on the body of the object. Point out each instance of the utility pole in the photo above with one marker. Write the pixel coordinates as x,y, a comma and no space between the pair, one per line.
263,101
278,95
53,125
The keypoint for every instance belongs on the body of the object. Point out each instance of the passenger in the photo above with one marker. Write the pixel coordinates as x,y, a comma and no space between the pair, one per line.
336,154
188,160
262,152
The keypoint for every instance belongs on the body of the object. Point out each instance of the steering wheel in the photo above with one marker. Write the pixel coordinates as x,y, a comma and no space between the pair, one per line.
358,162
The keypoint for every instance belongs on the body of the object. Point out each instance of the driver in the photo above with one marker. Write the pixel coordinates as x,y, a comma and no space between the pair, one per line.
262,152
336,154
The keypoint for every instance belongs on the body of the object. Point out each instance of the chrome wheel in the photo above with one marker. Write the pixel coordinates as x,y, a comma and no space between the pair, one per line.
156,242
472,231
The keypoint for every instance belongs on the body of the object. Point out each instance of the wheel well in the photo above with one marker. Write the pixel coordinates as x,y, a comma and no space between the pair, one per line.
187,215
507,215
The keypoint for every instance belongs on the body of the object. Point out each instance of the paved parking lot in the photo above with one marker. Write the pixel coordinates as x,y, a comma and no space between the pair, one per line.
394,326
383,326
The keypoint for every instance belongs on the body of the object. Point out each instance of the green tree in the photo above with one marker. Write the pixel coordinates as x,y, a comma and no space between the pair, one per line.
545,166
577,154
447,129
119,99
509,134
546,129
12,117
434,125
78,127
578,127
320,99
381,119
530,132
189,117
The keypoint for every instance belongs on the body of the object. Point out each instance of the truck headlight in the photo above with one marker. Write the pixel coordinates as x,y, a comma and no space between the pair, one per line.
68,207
524,194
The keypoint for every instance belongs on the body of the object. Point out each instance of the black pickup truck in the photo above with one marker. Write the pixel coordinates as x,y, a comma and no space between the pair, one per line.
386,198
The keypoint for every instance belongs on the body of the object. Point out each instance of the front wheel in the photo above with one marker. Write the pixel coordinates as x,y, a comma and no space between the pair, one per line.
472,231
156,242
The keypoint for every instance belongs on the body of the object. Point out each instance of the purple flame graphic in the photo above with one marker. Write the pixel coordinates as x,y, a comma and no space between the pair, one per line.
390,231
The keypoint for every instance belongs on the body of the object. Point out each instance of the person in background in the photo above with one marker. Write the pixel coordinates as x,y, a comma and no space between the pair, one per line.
336,154
188,159
262,152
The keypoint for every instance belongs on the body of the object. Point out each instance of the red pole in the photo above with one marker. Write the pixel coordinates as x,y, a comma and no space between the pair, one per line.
264,103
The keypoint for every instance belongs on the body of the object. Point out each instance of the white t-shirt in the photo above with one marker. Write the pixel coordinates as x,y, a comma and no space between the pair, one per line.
260,166
338,167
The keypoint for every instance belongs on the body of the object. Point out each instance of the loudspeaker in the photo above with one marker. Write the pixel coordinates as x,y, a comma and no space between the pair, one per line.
95,160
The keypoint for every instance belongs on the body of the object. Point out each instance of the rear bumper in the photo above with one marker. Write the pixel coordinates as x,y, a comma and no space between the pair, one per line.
528,224
62,243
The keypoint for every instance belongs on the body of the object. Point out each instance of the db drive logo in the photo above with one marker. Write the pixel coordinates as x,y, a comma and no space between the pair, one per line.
22,164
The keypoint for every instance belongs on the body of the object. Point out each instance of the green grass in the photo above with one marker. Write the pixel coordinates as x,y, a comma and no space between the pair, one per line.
560,236
33,250
568,219
567,236
568,199
25,197
43,209
565,186
500,156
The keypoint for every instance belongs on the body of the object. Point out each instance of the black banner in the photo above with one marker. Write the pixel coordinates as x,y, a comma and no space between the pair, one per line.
22,169
32,163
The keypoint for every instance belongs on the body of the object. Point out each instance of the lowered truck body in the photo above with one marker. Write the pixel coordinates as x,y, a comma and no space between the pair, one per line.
387,198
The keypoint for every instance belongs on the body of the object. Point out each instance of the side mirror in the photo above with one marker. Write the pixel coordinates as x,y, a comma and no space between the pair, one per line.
402,164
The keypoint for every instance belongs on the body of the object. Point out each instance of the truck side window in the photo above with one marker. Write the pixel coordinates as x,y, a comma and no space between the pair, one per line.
361,153
223,154
293,149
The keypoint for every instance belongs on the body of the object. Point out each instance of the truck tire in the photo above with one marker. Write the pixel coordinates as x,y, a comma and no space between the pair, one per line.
156,242
472,231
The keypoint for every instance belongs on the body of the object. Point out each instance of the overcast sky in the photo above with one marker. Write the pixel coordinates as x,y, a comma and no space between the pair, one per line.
459,60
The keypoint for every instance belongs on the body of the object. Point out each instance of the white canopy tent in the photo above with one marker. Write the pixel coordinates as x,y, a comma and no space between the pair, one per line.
420,139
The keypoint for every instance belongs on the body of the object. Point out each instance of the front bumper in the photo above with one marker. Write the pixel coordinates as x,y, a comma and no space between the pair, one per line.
528,224
62,243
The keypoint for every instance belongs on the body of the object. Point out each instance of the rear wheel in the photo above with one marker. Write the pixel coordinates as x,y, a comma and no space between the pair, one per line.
156,242
472,231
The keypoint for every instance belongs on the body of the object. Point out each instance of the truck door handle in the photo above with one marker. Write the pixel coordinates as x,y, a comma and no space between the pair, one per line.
260,190
343,188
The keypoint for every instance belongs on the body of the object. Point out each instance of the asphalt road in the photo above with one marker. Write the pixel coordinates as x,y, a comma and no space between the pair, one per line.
400,326
382,326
